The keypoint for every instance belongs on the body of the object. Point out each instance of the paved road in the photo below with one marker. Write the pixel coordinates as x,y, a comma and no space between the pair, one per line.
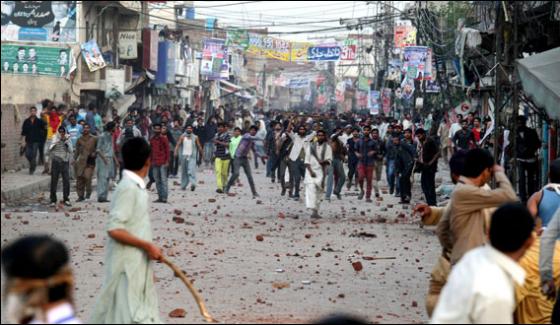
237,275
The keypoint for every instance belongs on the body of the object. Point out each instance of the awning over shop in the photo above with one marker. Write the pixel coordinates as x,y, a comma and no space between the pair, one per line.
229,88
540,76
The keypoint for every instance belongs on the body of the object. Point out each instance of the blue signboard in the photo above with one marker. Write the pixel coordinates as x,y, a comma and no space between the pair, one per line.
324,53
161,75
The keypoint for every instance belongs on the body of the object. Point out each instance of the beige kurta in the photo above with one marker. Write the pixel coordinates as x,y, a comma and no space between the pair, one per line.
128,295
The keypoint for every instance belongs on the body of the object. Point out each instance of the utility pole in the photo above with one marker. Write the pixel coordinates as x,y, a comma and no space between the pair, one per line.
499,26
264,86
515,90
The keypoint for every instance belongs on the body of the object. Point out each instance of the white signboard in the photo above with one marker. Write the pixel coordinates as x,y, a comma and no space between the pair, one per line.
115,81
127,45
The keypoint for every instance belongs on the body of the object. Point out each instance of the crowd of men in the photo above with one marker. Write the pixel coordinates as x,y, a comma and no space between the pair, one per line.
490,269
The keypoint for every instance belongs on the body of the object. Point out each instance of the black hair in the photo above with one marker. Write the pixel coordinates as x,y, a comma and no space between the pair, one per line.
478,119
254,127
420,131
408,130
110,126
135,153
37,257
459,116
321,131
375,130
156,125
62,128
367,127
32,108
457,162
511,226
555,171
222,125
476,161
237,129
341,319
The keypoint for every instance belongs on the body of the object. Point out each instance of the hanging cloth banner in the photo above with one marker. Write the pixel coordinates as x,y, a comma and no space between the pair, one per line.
405,36
373,102
238,38
339,91
299,51
363,83
298,83
386,100
323,53
270,47
214,64
414,64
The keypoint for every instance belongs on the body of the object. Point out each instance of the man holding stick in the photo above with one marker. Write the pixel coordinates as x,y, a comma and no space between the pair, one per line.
128,295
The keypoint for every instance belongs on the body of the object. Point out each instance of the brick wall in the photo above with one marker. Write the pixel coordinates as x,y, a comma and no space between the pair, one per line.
12,119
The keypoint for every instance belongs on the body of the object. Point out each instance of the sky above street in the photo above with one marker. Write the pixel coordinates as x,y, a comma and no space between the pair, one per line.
296,20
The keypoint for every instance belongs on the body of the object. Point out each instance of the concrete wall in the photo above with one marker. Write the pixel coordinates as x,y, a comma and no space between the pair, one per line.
30,90
12,120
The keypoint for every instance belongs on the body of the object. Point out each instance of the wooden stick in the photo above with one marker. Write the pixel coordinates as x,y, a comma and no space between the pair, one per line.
199,301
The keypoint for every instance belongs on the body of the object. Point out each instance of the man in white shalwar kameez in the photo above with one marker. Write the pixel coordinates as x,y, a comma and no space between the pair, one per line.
318,155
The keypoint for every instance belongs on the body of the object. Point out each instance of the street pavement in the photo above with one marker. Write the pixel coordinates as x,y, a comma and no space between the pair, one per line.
257,260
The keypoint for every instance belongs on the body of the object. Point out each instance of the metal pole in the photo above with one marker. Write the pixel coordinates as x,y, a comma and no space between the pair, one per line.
497,104
515,90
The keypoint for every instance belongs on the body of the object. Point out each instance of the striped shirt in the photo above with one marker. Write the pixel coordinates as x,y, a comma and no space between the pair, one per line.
222,151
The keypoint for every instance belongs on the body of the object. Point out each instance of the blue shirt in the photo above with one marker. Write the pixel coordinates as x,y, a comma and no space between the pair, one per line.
75,132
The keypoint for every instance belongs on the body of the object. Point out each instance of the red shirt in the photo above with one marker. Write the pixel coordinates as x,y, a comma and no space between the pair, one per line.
160,150
116,136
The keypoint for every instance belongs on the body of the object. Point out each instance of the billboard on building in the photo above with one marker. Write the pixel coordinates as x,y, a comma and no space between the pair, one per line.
36,60
39,21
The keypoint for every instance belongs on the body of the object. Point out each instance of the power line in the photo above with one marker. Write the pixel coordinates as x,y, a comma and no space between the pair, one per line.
225,5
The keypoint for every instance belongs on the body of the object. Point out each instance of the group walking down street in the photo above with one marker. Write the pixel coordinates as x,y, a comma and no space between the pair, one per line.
273,162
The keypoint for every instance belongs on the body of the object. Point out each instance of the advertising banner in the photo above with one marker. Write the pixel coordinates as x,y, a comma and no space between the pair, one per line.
270,47
92,56
299,83
414,64
36,60
405,36
127,45
238,38
214,64
299,51
386,100
150,49
373,102
323,53
349,50
39,21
